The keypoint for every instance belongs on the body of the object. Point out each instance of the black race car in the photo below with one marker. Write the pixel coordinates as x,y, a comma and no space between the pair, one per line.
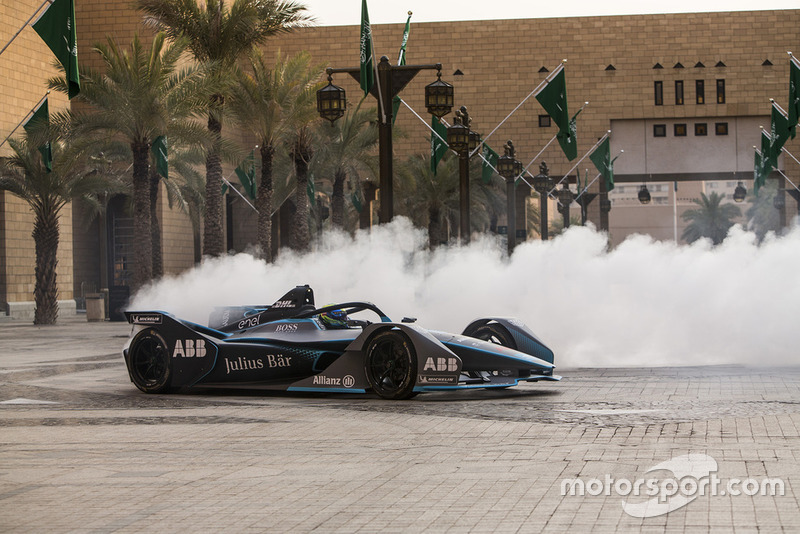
292,345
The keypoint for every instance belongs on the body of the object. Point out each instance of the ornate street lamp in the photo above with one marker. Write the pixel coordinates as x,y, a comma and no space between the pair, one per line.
331,101
739,193
463,140
644,195
439,96
509,168
391,79
543,184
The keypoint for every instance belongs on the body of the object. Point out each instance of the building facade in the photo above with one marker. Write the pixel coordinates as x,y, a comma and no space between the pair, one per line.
682,94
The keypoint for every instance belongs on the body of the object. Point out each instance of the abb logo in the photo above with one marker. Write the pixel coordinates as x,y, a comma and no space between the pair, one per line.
441,364
190,348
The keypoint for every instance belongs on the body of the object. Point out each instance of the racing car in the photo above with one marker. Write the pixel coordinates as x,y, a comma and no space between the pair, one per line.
293,345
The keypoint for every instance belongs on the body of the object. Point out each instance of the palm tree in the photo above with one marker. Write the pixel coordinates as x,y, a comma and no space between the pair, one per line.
712,219
761,215
220,35
344,150
263,102
139,96
47,192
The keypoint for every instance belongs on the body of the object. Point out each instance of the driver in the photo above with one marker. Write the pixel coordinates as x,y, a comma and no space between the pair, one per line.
334,319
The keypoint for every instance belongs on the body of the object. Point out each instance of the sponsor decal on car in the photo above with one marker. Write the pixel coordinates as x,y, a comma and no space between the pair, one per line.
438,379
250,321
347,381
190,348
146,318
449,364
286,328
271,361
283,304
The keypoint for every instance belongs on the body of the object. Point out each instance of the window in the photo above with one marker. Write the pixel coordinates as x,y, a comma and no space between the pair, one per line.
658,90
700,90
721,128
544,121
701,128
659,130
678,92
680,130
720,91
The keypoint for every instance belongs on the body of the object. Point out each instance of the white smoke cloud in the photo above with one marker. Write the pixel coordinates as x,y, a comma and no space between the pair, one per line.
645,303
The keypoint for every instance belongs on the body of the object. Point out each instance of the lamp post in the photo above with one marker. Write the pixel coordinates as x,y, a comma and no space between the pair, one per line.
565,198
463,141
543,183
331,104
509,168
739,193
644,195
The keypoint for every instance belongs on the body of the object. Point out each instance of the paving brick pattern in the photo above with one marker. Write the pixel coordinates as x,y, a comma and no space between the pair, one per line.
102,457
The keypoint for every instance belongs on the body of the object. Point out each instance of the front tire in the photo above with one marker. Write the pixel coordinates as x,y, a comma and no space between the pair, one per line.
391,365
150,365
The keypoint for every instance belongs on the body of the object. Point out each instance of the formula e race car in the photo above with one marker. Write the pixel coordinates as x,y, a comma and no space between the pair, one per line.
294,346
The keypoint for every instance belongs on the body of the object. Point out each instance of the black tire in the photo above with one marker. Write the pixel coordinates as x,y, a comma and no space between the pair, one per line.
391,365
494,333
150,365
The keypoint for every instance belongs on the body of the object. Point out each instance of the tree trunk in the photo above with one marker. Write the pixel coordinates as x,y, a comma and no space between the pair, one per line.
45,292
434,228
213,234
158,258
301,155
337,199
143,239
264,202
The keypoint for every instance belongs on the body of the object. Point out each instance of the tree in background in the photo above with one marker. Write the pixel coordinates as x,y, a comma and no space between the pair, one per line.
219,35
712,219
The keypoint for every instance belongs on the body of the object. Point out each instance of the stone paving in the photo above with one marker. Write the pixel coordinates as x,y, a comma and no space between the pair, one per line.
82,450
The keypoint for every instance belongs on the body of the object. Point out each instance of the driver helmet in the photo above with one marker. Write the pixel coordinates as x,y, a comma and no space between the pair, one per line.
334,318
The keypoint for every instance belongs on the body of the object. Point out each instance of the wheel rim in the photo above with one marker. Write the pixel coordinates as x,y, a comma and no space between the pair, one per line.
149,362
389,365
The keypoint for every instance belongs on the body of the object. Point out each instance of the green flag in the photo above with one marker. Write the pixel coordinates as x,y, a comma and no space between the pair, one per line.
311,189
41,120
56,27
246,172
367,69
794,94
401,60
779,131
490,158
357,200
159,150
601,157
553,98
569,142
438,143
759,176
767,157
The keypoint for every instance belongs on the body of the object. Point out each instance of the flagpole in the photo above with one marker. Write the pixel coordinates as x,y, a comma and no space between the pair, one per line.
26,23
532,93
579,161
31,112
238,193
783,149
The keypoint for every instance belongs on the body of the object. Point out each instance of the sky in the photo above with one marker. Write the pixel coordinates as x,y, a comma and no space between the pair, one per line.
338,12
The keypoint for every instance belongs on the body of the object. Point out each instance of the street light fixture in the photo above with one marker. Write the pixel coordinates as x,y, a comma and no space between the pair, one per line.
543,184
565,198
391,79
644,195
739,193
509,168
463,140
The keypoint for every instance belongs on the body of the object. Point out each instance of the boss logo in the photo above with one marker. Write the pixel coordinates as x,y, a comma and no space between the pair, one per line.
286,328
190,348
441,364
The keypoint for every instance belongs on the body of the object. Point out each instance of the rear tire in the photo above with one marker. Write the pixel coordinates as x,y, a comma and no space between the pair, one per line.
391,365
150,365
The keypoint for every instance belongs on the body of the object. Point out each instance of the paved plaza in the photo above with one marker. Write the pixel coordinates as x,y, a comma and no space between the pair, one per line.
82,450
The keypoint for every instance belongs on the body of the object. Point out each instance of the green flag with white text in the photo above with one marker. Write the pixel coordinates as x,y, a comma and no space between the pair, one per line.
569,142
40,120
246,172
794,94
438,143
490,158
401,60
367,69
759,174
601,157
159,150
553,98
56,27
779,131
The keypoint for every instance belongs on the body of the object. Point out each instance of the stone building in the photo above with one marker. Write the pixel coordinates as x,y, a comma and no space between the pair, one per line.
682,94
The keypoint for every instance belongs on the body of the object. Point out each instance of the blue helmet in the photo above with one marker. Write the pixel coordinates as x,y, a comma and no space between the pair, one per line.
334,318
